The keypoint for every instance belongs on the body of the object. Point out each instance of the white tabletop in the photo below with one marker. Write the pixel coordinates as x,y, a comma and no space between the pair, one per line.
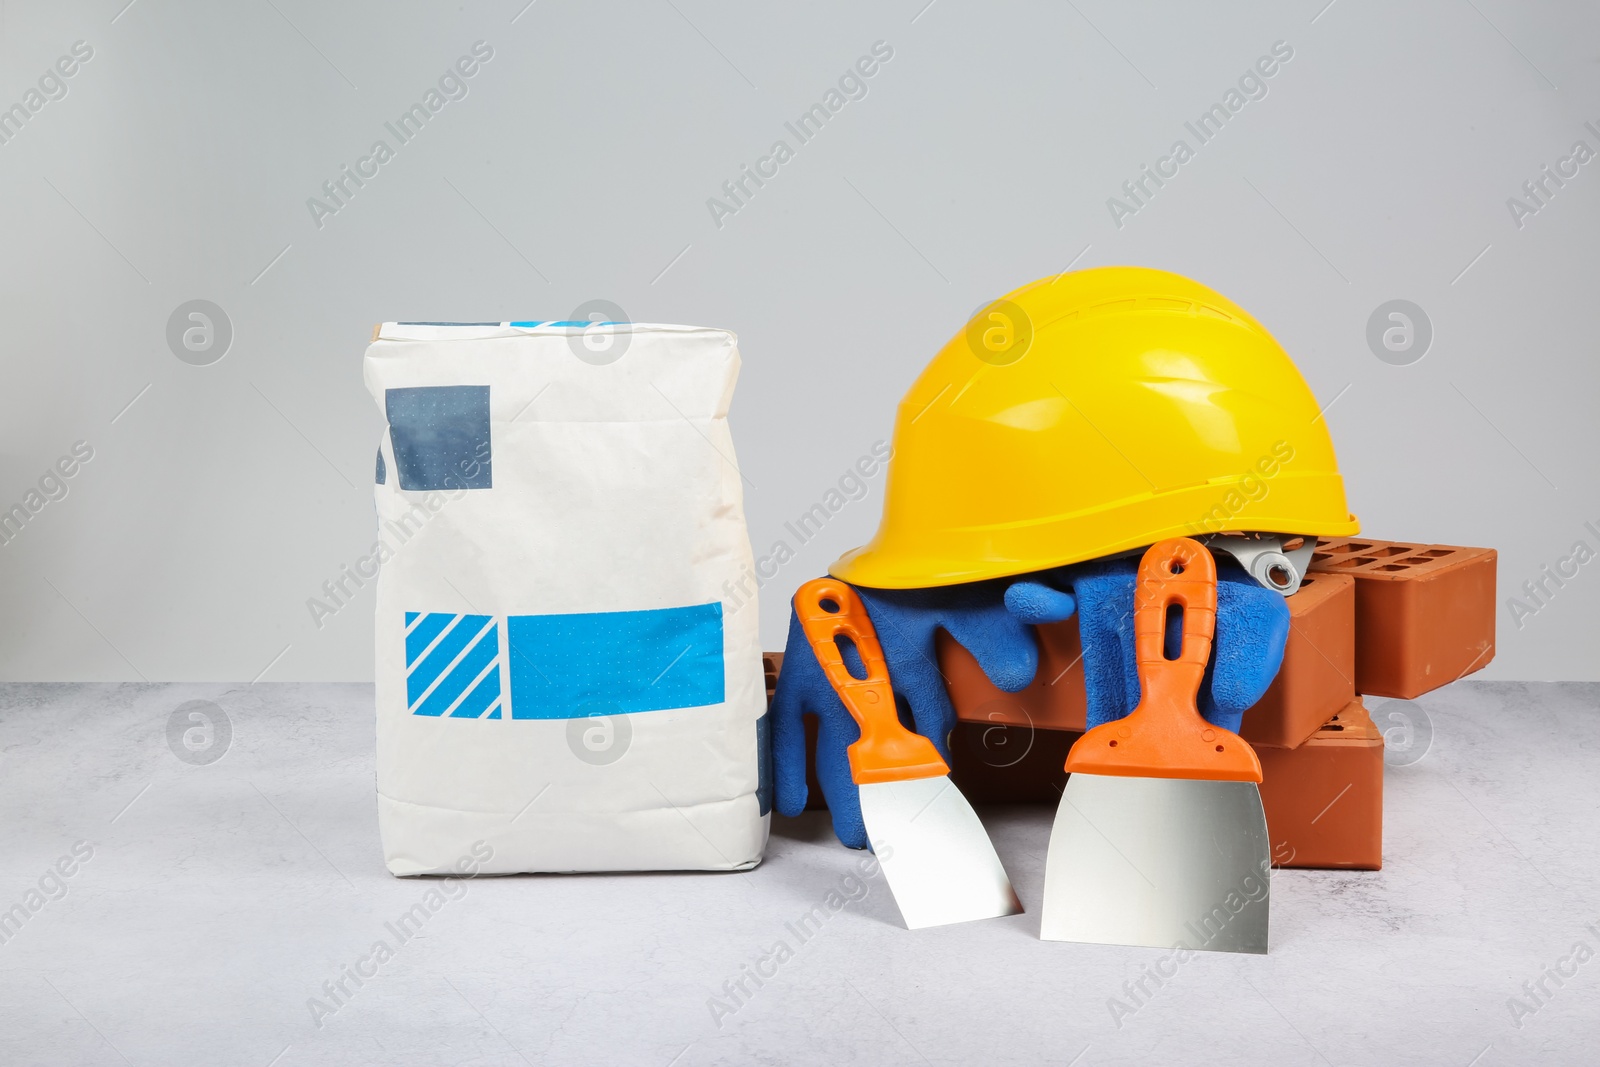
218,899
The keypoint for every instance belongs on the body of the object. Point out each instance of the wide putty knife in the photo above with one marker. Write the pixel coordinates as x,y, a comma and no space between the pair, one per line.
935,854
1160,839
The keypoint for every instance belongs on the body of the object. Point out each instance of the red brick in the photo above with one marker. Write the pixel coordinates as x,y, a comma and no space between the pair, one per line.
1054,700
995,763
1425,614
771,664
1318,673
1324,799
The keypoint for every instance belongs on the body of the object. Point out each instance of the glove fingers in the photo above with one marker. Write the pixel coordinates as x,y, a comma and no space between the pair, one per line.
1252,630
802,687
1002,643
1131,690
1034,603
1105,630
834,736
789,739
914,673
1225,717
931,712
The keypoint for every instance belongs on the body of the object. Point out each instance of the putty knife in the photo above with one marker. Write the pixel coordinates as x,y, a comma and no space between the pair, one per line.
935,854
1160,839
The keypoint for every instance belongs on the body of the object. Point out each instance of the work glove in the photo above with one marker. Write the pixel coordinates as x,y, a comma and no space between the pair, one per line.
1246,651
975,615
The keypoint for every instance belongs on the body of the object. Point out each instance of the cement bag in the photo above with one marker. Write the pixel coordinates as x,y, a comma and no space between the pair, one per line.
567,671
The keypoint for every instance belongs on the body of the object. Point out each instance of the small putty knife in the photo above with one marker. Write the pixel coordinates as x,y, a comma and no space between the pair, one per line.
937,857
1160,839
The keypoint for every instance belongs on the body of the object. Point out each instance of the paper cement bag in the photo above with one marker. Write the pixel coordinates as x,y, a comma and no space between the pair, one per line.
564,672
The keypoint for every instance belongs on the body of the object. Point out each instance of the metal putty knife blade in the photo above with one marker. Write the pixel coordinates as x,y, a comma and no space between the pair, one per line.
1159,862
935,853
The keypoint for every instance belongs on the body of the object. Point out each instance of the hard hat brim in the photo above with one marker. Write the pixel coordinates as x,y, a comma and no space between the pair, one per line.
973,553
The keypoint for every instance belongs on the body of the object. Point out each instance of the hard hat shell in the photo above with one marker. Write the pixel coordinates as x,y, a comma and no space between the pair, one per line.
1090,413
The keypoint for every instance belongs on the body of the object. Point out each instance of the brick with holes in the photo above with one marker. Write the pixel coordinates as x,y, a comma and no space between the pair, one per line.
1424,613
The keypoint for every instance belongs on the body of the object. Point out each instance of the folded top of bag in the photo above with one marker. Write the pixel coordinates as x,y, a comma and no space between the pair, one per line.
467,331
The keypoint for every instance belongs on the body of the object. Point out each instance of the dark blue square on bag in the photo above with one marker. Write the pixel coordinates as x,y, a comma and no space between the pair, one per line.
440,435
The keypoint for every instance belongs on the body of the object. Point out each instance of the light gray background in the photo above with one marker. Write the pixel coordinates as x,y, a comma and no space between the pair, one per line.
578,167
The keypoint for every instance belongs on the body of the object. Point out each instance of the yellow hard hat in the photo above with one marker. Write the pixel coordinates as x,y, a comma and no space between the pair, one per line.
1091,413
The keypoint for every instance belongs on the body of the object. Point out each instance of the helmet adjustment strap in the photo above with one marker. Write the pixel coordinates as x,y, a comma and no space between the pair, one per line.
1264,557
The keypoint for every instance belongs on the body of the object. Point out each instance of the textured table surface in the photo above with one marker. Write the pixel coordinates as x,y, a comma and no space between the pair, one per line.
217,899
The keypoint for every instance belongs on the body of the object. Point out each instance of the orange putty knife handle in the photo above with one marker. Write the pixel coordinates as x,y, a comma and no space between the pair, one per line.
887,752
1165,737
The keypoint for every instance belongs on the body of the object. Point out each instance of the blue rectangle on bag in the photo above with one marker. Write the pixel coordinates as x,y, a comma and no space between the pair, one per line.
615,662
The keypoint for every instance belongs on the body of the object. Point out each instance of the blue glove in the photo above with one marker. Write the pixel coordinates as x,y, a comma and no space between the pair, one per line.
1246,652
975,615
